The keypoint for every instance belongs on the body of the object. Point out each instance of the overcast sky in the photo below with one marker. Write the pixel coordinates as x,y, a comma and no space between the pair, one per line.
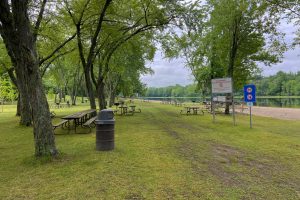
174,72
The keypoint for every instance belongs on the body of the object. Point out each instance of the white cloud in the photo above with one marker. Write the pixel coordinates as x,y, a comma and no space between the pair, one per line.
167,72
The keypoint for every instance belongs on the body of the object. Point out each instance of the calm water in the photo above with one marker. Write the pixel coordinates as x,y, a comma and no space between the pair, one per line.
269,102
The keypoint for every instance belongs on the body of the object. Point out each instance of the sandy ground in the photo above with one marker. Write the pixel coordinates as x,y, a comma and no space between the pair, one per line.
279,113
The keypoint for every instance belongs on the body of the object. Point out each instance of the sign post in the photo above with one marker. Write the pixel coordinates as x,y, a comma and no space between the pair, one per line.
250,98
222,86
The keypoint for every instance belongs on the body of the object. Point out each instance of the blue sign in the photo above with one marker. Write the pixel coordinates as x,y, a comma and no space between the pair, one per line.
249,93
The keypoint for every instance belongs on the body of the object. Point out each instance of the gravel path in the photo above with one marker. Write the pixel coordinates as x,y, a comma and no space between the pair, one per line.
279,113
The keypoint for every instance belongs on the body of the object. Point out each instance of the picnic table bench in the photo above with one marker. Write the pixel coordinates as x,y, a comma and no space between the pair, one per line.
90,123
61,123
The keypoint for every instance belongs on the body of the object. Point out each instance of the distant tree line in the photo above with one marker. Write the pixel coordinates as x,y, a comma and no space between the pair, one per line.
280,84
173,91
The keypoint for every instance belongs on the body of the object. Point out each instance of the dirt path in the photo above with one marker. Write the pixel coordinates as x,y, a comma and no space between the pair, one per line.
278,113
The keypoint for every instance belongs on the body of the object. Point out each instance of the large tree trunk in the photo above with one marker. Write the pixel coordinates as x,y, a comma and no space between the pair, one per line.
73,97
55,97
18,113
23,106
112,98
32,90
89,88
20,44
232,57
101,95
76,84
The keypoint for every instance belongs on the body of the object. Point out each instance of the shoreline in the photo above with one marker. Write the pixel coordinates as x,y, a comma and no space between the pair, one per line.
273,112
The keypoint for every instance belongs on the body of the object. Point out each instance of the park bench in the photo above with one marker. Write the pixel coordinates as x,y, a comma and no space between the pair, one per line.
61,123
90,123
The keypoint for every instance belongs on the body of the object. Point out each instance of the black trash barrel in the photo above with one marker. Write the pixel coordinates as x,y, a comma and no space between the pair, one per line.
105,130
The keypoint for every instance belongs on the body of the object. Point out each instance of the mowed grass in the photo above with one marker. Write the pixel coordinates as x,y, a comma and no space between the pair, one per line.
159,154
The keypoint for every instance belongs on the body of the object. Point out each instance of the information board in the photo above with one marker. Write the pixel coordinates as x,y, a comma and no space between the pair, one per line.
221,85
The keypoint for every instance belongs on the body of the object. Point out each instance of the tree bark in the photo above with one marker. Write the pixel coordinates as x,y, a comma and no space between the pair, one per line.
232,56
101,94
112,98
18,113
89,87
32,90
25,108
23,105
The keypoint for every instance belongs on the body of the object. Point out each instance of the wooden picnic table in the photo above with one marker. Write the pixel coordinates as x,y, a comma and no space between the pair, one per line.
193,110
123,109
80,117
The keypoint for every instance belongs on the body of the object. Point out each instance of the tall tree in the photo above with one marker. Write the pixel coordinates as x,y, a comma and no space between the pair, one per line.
240,30
79,13
234,37
116,24
142,19
20,41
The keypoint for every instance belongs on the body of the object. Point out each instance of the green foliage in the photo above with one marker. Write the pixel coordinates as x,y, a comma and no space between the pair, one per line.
173,91
64,74
231,37
127,64
281,84
7,90
5,62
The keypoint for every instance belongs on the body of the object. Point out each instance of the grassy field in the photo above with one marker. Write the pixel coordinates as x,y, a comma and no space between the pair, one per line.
159,155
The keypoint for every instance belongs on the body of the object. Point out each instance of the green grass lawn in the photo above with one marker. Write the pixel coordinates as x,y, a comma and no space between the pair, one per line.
159,154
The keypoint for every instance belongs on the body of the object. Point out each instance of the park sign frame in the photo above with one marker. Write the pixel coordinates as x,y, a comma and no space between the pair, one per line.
221,85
